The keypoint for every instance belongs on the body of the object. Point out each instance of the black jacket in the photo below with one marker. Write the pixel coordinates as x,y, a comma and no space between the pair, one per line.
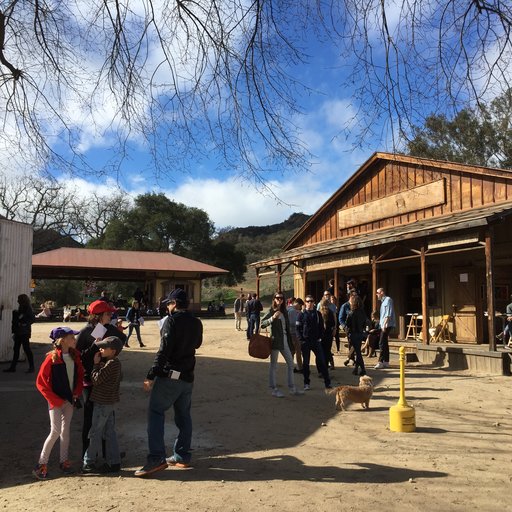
310,326
181,335
85,344
22,320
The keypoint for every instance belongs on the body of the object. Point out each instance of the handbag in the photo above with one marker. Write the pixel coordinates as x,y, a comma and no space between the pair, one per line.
260,346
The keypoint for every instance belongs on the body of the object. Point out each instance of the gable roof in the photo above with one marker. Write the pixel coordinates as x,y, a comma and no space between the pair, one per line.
394,157
98,261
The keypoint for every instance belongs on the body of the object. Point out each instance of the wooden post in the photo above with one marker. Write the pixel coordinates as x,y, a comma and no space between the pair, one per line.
258,284
374,283
489,276
424,297
336,286
304,284
279,268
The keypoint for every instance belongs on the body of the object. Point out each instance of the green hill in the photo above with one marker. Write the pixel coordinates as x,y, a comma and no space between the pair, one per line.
259,242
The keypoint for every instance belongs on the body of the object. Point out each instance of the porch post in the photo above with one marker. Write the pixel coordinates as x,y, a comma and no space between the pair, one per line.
374,283
279,268
258,283
336,285
489,276
424,297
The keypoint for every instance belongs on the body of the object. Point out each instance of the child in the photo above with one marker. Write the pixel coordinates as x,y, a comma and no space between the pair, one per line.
106,377
120,326
60,381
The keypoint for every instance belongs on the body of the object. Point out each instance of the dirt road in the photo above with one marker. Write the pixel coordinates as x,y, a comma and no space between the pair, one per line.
256,452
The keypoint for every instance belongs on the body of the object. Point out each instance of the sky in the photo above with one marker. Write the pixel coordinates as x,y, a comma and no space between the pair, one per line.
334,111
230,201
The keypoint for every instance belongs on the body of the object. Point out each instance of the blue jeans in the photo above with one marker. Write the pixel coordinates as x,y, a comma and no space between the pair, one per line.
254,324
130,331
165,394
103,427
316,348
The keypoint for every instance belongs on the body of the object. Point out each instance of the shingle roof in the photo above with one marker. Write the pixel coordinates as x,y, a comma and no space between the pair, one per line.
137,261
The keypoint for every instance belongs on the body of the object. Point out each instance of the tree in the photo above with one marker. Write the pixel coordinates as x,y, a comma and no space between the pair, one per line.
59,215
155,223
480,137
174,72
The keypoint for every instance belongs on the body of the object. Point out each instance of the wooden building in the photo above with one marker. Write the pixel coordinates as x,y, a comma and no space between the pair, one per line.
15,265
436,235
159,272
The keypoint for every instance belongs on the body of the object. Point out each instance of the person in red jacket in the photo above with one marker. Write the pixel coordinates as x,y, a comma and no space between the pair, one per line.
60,381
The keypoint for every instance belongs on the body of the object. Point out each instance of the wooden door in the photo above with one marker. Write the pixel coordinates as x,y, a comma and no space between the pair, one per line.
465,309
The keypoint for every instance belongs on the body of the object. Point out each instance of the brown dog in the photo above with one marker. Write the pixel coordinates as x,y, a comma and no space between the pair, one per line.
358,394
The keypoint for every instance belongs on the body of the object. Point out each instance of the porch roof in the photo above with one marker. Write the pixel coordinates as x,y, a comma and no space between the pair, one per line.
464,220
73,263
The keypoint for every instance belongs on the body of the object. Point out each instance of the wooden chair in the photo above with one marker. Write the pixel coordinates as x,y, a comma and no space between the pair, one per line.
413,329
442,331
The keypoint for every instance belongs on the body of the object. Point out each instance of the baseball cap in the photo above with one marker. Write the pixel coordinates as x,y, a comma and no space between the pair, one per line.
100,306
176,295
60,332
111,342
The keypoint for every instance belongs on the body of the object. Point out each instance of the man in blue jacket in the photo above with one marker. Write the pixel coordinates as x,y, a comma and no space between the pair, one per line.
310,328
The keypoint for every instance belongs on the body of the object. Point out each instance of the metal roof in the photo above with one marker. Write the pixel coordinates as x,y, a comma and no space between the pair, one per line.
428,227
83,263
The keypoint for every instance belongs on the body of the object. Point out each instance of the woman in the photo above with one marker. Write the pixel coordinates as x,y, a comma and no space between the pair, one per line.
329,325
22,321
277,318
133,316
100,312
357,322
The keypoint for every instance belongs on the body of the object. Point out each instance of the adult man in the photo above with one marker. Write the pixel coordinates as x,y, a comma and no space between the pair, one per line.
293,311
310,328
238,309
387,323
507,340
342,321
254,308
170,381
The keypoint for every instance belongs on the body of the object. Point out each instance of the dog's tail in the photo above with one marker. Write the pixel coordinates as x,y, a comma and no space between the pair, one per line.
331,391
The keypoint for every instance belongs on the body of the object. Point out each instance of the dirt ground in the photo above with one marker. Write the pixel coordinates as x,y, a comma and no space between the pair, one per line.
256,452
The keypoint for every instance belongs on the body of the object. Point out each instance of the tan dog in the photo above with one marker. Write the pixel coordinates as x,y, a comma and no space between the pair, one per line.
358,394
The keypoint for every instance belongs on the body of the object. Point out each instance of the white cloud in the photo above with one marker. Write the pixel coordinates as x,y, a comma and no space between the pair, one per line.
236,203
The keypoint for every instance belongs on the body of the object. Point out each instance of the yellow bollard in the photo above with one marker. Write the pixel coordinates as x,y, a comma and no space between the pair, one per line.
402,416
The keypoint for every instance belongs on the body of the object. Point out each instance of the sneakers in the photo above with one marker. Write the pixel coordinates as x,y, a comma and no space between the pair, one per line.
380,365
90,469
150,468
296,370
40,471
295,391
277,393
66,468
109,468
307,387
172,462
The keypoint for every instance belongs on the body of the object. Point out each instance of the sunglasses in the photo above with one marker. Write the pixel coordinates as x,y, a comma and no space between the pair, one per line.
310,300
278,298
